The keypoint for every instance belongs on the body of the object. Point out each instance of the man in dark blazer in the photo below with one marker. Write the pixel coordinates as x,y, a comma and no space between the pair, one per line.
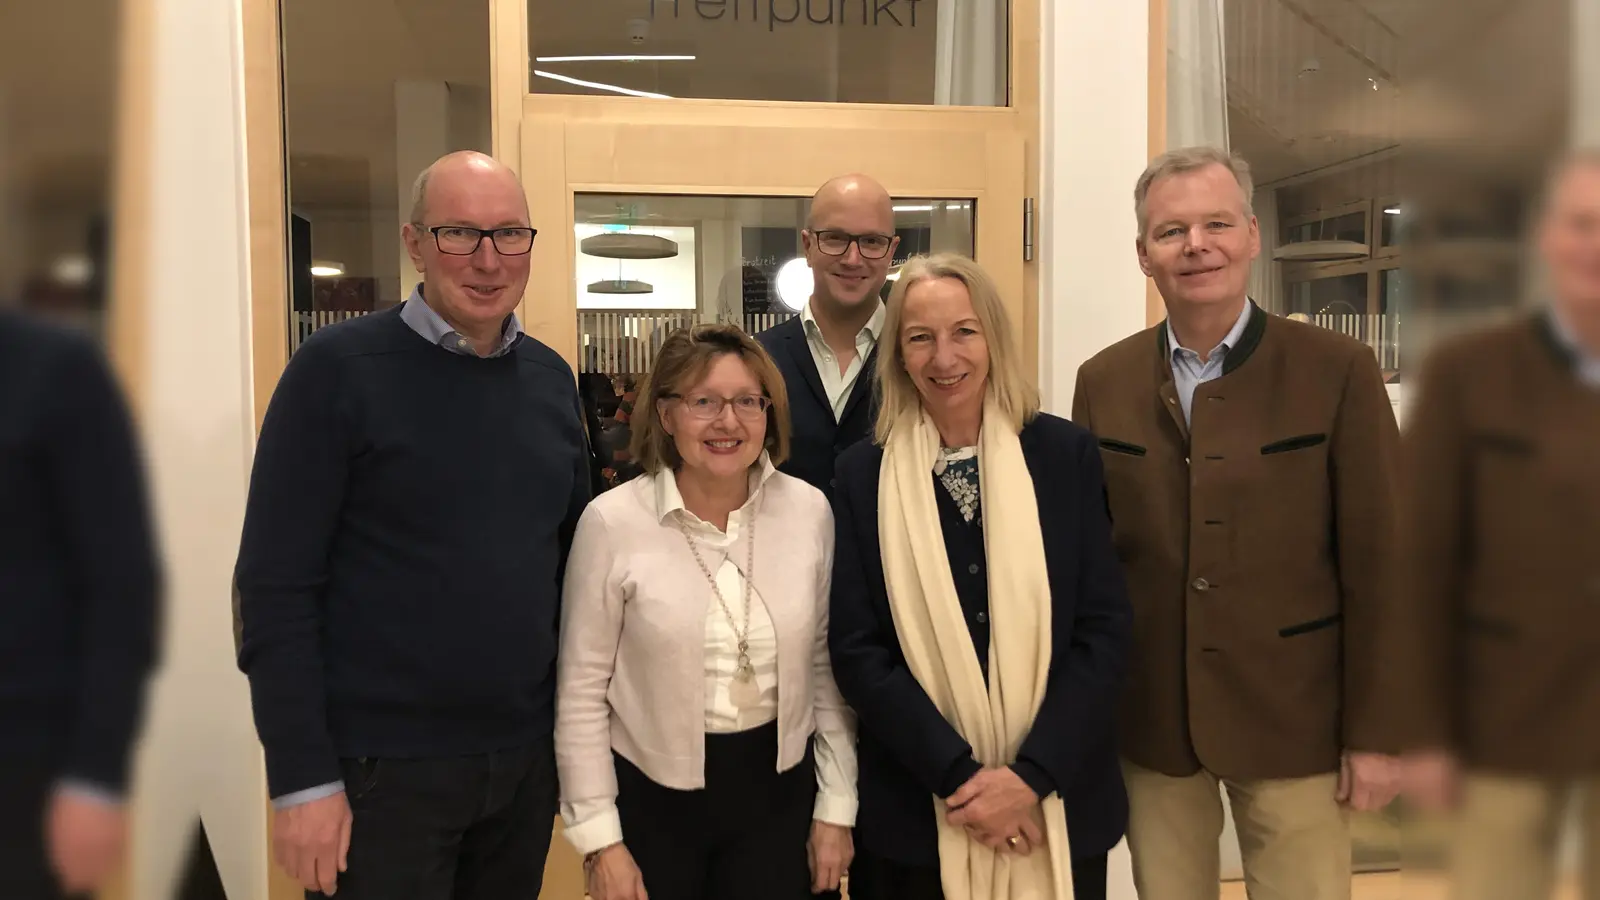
827,354
1250,465
80,611
1501,527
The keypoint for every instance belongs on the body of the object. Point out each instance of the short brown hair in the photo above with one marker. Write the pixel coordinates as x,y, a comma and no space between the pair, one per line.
683,359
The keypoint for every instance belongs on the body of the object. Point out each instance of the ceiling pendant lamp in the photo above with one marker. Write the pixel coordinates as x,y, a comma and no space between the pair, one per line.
620,286
1321,251
628,245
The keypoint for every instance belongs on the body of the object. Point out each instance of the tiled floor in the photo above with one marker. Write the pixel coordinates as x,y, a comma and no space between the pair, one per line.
1394,887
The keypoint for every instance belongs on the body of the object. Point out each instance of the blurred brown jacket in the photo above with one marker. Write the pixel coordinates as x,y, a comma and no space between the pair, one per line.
1258,547
1501,530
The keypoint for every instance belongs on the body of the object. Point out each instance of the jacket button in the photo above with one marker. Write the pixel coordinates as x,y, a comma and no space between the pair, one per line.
1202,585
833,482
972,569
982,618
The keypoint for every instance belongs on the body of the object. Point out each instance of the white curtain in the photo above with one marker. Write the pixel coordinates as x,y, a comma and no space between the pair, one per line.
1266,276
1585,117
1197,76
970,59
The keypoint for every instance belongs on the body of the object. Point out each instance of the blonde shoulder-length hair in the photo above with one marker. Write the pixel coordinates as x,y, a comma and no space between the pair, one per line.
1008,385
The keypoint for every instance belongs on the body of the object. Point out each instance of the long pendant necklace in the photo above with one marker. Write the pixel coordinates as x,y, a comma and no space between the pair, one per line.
743,692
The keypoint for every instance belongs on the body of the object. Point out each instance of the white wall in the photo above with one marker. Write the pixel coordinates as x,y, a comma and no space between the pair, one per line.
1094,97
199,752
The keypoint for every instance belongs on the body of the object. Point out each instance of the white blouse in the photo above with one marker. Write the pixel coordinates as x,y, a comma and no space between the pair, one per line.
593,823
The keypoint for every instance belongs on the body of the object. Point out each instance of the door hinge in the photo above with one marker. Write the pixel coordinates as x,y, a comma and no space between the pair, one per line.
1027,229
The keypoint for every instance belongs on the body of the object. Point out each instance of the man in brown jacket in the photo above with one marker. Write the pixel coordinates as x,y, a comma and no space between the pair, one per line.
1503,543
1250,462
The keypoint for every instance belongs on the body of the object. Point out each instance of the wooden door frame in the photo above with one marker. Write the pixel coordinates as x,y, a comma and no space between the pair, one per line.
615,151
1155,309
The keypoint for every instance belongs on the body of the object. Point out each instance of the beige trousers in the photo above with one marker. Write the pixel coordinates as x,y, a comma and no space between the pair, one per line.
1294,837
1509,834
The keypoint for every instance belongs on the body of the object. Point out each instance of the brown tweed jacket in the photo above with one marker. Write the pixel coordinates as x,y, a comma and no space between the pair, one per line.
1258,547
1502,538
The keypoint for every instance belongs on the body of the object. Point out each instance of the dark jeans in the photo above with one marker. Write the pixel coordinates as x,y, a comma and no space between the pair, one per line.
460,828
876,878
742,837
26,782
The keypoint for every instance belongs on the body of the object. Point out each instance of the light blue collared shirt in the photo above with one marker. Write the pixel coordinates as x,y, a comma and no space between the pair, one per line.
1189,371
1586,363
424,320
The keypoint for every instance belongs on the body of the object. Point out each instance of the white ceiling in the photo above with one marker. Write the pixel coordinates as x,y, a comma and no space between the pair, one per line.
1467,76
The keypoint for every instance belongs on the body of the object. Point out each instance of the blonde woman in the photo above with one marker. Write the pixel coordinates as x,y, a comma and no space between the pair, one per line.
693,673
979,617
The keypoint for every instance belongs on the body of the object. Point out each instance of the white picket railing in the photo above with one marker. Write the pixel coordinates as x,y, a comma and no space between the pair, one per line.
1380,332
305,323
625,342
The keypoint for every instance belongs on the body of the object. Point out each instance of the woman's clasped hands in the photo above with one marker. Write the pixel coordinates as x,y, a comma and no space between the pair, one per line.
998,810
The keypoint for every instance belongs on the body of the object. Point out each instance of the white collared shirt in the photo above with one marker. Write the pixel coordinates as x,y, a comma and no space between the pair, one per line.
838,385
722,642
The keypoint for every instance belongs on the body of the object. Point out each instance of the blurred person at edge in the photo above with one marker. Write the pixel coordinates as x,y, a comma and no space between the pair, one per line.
1501,531
419,475
79,610
1250,462
829,353
704,751
979,622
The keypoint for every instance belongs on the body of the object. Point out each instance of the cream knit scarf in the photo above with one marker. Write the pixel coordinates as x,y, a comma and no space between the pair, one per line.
934,637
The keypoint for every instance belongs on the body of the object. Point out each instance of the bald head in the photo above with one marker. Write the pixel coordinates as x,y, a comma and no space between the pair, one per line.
849,244
851,194
463,168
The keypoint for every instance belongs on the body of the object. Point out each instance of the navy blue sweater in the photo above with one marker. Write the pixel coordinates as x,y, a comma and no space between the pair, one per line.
78,573
399,575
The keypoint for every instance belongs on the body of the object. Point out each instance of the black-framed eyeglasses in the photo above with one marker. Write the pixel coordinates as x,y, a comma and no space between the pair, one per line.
464,240
710,406
837,243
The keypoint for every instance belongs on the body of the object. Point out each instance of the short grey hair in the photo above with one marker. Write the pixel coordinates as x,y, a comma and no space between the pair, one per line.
419,196
1191,159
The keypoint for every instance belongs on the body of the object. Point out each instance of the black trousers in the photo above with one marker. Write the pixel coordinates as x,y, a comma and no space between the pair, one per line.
876,878
26,784
742,836
459,828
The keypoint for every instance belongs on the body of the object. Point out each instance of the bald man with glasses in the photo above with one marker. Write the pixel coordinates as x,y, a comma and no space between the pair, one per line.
416,486
827,353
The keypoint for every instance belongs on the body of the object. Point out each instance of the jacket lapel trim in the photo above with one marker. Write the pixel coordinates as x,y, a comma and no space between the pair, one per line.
866,382
800,353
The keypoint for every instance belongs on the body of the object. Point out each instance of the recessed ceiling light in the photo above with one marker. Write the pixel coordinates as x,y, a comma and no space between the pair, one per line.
614,58
1391,211
326,269
615,89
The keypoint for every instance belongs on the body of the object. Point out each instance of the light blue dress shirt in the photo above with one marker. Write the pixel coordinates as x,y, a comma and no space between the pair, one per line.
1189,371
1586,362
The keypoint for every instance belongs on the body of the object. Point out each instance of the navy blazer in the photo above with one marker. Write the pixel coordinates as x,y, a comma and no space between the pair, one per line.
908,752
816,439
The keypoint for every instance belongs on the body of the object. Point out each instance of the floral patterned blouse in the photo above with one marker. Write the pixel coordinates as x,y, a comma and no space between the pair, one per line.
957,470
